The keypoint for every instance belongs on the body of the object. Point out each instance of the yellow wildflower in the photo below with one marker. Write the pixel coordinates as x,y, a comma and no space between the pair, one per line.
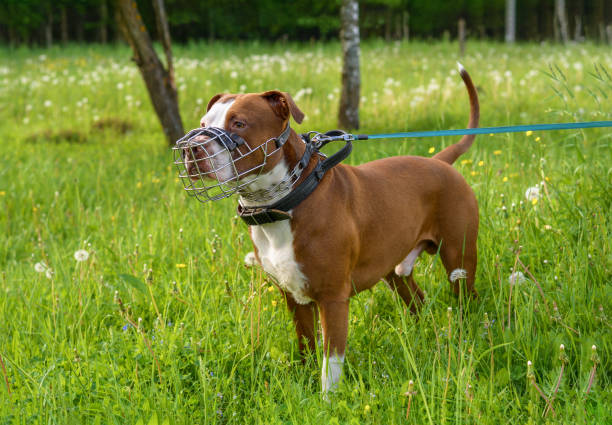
505,179
2,193
528,133
480,163
432,149
534,201
496,152
537,139
181,266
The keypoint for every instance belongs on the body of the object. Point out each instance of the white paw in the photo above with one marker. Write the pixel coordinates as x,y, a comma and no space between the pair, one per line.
250,260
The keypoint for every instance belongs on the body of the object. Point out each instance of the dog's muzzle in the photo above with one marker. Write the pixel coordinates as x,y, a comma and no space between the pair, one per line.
214,164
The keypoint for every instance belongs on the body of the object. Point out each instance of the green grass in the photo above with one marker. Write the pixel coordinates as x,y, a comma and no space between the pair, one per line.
218,332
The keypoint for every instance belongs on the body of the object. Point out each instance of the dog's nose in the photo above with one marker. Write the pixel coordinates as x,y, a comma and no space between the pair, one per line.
202,123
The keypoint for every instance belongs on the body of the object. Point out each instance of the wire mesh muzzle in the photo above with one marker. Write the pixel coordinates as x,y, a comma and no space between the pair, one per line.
214,164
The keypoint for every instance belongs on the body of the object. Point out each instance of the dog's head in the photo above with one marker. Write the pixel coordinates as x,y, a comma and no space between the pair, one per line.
239,140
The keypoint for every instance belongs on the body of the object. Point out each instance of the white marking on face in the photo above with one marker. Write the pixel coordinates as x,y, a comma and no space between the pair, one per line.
457,274
331,372
405,267
215,117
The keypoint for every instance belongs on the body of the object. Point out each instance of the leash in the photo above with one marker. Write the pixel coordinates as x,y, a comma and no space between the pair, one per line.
480,130
280,210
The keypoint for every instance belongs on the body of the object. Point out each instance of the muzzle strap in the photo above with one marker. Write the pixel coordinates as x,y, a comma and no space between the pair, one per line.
283,137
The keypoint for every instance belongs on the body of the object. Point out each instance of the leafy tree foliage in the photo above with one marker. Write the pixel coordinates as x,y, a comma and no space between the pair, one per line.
25,21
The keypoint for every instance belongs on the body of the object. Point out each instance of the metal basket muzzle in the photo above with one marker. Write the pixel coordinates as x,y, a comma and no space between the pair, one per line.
214,164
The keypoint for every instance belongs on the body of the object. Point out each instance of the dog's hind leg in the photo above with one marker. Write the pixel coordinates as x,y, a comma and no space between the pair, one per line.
403,283
407,289
459,257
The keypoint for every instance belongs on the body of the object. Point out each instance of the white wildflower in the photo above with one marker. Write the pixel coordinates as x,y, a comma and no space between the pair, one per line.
81,255
532,193
49,273
40,267
48,103
516,278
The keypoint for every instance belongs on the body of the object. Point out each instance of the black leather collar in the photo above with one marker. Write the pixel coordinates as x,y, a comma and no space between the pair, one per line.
279,210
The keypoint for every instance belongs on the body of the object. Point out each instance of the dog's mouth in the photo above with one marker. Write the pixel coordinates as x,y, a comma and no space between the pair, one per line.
214,164
204,158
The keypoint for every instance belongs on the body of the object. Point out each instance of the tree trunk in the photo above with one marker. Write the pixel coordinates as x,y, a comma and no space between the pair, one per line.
406,25
561,19
348,114
49,28
510,21
64,25
461,36
157,79
578,38
164,35
103,22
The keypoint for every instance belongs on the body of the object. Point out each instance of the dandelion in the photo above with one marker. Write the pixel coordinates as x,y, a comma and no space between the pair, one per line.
119,86
532,193
49,273
432,149
81,255
181,266
40,267
516,278
48,103
505,179
537,139
367,408
528,133
2,193
270,288
480,163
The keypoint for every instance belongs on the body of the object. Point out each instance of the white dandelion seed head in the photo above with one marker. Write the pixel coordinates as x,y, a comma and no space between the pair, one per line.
49,273
81,255
532,193
516,278
40,267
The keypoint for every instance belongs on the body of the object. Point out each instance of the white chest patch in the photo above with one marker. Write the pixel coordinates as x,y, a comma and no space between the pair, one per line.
274,244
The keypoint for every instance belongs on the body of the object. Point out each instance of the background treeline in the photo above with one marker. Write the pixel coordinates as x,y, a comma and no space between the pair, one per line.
46,22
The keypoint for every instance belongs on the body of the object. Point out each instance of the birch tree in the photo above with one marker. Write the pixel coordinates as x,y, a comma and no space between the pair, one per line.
348,114
510,21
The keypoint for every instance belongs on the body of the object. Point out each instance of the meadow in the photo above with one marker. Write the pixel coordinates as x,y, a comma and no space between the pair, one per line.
123,301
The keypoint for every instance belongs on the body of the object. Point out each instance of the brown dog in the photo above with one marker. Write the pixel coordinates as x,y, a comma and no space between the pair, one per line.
361,224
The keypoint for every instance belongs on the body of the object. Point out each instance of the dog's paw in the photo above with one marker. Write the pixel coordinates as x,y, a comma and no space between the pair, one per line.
250,260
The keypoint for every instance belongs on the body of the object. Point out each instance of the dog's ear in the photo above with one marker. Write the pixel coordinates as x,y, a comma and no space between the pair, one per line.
213,100
282,104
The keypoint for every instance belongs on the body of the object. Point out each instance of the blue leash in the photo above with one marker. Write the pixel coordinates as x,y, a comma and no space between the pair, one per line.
485,130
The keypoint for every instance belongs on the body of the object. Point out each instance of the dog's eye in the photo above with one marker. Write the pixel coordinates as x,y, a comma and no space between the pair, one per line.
239,124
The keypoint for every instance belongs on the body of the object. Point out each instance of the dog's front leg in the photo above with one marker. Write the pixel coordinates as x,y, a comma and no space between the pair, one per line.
305,320
334,321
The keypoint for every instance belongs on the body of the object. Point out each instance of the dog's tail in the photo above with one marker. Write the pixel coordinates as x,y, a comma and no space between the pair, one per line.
451,153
